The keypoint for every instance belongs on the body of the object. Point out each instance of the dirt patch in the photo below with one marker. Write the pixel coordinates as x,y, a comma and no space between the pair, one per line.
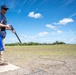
42,60
44,66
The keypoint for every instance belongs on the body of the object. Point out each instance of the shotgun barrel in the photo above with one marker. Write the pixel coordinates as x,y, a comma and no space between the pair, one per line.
15,33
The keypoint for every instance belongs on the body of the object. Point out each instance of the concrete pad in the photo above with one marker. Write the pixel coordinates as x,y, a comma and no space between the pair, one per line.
8,67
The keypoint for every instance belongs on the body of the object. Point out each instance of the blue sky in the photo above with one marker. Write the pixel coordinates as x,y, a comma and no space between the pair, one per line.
44,21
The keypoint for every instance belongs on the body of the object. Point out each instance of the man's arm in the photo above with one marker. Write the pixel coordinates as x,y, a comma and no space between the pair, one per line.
5,26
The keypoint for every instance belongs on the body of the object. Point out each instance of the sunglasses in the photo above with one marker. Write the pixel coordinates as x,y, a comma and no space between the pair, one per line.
5,8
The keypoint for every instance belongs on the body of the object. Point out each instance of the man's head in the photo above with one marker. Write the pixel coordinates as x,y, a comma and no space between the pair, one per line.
4,8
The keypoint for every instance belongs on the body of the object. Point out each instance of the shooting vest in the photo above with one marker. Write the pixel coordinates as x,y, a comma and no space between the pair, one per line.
3,20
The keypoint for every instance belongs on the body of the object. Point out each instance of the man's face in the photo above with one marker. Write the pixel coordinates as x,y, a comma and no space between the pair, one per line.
4,11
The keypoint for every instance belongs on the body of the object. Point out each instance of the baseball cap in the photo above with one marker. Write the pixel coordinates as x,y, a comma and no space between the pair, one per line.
4,7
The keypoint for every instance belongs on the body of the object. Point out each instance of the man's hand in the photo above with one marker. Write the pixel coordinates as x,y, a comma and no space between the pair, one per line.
12,29
8,27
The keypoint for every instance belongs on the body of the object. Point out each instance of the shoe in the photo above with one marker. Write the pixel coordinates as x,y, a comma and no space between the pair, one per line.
3,63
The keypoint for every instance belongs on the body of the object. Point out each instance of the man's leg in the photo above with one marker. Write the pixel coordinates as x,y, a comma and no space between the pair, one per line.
1,57
2,52
3,43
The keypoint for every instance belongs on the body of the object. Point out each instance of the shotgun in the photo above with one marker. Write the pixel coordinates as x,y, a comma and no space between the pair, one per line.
15,33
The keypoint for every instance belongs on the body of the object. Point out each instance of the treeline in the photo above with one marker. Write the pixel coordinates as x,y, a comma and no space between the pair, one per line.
34,43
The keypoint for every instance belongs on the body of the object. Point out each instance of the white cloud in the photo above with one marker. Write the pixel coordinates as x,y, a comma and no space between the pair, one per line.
23,36
19,11
51,26
43,33
64,21
32,37
11,4
59,31
74,14
24,2
72,40
67,2
33,15
28,37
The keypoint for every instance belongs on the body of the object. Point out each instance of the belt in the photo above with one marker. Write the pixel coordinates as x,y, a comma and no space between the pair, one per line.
2,29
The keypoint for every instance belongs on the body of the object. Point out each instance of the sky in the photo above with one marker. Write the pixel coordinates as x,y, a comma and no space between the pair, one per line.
43,21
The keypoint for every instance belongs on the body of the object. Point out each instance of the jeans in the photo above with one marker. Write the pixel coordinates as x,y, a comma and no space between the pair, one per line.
1,53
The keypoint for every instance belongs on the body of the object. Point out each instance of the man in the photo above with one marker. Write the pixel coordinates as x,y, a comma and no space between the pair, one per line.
3,27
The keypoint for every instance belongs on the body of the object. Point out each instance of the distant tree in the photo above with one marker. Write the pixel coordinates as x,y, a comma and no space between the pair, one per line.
57,42
62,43
34,43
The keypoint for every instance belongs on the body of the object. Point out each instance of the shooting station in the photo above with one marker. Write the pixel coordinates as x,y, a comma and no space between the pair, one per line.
4,68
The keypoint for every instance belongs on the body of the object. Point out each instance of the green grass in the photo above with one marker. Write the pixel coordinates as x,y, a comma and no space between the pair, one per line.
22,53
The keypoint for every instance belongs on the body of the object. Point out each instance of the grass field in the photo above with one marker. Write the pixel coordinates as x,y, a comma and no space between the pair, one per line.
42,59
19,53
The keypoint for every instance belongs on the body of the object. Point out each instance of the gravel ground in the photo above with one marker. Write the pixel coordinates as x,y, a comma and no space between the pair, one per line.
45,66
42,60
